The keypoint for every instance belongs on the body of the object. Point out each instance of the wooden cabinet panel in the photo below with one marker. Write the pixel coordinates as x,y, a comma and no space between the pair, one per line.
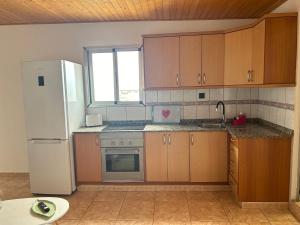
161,62
156,156
238,57
208,157
213,47
178,156
281,50
264,170
190,61
88,157
258,56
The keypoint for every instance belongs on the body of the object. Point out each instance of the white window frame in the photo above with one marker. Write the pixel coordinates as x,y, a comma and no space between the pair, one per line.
90,94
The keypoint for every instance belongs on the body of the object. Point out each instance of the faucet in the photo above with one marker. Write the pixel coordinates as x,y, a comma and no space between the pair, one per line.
217,106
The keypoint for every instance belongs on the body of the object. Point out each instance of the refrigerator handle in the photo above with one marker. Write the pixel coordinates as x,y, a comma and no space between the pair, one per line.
46,141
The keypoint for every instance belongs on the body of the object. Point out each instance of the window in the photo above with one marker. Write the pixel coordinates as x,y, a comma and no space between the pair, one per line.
114,75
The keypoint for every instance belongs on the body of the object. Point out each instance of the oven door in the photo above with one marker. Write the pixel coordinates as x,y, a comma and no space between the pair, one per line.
122,164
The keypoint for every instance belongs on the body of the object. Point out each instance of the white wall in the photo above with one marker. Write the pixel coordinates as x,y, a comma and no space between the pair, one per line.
62,41
294,6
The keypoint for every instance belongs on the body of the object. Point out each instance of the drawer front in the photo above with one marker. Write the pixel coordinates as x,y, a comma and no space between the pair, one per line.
233,168
234,186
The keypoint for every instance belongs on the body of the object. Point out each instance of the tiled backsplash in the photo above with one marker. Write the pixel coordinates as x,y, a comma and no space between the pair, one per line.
275,105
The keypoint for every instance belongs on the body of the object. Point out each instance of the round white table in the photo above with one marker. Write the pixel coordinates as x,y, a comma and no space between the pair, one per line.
18,211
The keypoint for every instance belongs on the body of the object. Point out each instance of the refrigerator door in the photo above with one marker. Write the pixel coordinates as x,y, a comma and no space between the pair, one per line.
49,167
44,99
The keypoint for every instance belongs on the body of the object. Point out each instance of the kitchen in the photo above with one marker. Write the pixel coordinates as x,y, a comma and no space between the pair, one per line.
194,104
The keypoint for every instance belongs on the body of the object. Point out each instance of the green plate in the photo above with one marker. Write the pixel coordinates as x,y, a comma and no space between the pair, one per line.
51,206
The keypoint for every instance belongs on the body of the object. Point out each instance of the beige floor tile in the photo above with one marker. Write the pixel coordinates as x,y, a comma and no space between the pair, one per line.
110,196
207,211
279,215
104,210
97,222
202,196
137,210
134,222
140,196
237,214
285,223
171,223
77,210
209,223
171,212
165,196
254,223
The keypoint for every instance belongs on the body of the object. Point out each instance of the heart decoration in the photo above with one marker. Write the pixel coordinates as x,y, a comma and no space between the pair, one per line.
166,113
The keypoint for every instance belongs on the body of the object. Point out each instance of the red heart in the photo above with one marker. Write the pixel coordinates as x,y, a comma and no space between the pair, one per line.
166,113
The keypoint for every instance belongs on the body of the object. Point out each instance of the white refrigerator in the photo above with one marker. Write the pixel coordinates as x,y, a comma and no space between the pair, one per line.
54,108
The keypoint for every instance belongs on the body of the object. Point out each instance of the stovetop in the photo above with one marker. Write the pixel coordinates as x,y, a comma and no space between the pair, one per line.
124,128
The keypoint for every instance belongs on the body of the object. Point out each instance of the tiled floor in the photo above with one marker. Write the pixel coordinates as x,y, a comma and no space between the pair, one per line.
155,208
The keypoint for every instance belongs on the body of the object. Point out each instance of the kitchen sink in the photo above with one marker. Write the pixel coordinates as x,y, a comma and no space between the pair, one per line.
212,125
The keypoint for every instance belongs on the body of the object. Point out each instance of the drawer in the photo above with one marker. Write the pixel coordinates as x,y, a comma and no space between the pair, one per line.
234,186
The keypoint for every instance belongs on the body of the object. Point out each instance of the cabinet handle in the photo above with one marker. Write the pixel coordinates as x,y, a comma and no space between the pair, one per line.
204,78
97,141
192,139
164,139
232,139
249,75
169,139
177,79
199,78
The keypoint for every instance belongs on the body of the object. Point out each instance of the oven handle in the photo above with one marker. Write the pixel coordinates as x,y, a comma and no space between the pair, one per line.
121,151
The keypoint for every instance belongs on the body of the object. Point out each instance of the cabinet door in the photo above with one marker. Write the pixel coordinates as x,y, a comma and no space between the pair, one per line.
238,57
161,60
258,56
208,156
88,157
156,156
213,52
190,61
178,156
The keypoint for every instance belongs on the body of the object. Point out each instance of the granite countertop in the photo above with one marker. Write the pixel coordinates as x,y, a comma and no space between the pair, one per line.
250,130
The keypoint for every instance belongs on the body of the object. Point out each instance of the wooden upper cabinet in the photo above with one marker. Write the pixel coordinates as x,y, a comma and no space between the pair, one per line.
190,60
238,57
280,50
208,157
88,157
258,53
161,62
213,47
156,156
178,156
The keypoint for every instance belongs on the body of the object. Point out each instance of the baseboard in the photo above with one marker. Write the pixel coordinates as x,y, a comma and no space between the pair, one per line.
263,205
14,174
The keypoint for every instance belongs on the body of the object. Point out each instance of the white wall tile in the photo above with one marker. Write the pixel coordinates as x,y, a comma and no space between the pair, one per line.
280,116
290,95
230,94
151,96
279,95
266,115
98,110
261,111
243,108
289,119
254,111
205,91
272,115
176,95
216,94
213,114
189,95
163,96
116,113
203,112
243,94
254,93
148,112
230,111
136,113
190,112
181,112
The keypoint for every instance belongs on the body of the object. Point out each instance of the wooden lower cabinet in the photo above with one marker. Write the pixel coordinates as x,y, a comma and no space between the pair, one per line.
87,157
167,156
263,169
208,157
